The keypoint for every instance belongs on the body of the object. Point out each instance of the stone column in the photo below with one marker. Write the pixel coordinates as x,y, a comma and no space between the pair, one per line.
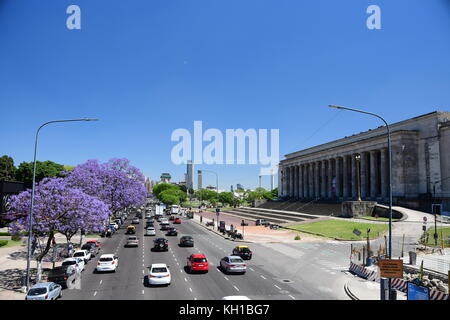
345,191
384,167
311,180
354,177
300,181
330,179
287,181
338,177
373,174
295,182
291,181
363,175
316,180
305,181
323,180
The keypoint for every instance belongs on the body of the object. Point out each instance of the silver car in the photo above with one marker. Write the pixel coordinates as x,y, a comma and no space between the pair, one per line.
150,231
44,291
233,264
132,242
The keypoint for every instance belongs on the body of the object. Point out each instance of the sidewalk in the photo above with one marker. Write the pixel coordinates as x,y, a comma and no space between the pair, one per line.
360,289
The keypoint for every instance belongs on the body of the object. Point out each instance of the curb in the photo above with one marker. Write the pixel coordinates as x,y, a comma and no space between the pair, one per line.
218,233
349,293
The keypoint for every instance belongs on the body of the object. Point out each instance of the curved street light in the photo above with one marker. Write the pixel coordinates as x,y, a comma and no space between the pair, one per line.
217,178
390,175
30,220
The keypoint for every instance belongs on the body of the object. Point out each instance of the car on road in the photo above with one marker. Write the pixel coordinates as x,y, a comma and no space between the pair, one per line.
231,264
91,247
96,242
243,251
186,241
149,224
78,263
164,226
159,274
106,233
262,222
107,262
172,232
150,231
171,218
62,274
83,254
132,242
115,225
177,221
118,222
131,230
197,262
161,244
135,221
44,291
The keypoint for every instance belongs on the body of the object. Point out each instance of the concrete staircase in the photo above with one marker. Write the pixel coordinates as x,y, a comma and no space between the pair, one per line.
278,217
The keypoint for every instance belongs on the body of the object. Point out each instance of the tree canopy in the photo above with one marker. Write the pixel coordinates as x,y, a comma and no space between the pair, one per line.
44,169
7,169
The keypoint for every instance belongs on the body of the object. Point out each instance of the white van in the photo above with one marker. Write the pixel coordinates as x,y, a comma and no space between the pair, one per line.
174,209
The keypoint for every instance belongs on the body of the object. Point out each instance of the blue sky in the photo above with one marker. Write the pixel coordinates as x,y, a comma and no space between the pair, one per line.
147,67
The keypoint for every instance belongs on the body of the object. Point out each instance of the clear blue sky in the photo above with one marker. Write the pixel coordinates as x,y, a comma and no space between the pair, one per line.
147,67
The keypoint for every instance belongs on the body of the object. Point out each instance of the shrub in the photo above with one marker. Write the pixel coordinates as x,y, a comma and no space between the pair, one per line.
297,237
3,243
16,237
4,234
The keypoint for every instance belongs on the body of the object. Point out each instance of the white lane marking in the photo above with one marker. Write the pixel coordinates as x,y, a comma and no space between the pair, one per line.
143,265
101,281
236,288
185,279
226,278
251,269
190,289
292,297
95,293
195,298
178,264
181,270
277,287
263,277
142,291
143,271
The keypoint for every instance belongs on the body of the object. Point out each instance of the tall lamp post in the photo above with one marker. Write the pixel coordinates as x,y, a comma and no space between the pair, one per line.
390,177
217,179
30,220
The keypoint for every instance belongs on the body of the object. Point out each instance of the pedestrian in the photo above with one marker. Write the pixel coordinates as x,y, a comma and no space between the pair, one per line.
231,228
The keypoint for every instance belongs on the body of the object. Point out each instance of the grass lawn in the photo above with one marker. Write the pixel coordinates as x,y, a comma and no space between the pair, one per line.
342,230
445,235
377,219
12,243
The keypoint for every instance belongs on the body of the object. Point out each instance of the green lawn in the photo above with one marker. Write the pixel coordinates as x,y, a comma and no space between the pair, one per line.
377,219
341,230
12,243
445,234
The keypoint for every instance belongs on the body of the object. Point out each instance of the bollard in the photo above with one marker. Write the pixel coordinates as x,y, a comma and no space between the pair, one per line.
384,288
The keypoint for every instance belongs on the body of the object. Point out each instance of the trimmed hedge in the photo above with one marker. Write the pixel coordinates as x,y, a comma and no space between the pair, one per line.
3,243
4,234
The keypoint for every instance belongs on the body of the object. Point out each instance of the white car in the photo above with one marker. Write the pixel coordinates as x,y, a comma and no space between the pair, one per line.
44,291
83,254
159,274
115,225
150,231
107,262
78,263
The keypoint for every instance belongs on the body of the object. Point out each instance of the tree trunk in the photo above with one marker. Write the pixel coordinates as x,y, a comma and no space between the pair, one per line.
39,258
39,271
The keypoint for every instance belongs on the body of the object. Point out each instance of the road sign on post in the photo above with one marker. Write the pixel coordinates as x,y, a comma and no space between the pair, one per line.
391,268
415,292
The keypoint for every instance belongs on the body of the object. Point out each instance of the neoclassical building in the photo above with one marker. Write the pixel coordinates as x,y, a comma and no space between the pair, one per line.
420,165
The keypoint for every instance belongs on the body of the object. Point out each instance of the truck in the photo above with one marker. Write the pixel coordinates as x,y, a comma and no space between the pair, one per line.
174,209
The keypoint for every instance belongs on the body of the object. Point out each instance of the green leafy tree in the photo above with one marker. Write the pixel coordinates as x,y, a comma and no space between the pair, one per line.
160,187
169,197
226,198
46,169
7,169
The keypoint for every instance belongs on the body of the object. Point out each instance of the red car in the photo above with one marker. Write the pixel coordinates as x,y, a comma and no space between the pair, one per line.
97,243
177,221
197,262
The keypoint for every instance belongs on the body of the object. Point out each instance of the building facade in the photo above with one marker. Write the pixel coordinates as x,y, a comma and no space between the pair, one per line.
199,180
420,165
190,175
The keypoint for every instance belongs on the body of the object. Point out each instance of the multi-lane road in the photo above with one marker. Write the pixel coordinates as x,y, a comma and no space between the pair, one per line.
288,271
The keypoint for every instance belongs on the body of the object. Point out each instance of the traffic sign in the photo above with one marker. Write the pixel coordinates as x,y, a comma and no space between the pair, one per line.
391,268
415,292
357,232
425,219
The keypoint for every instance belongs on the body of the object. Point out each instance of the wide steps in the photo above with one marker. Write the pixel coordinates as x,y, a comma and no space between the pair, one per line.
257,216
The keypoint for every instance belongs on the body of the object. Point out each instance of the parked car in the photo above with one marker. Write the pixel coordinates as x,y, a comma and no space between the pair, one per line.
114,225
91,247
172,232
113,228
150,231
197,262
243,251
131,230
262,222
159,274
132,242
62,274
107,262
44,291
118,222
106,233
186,241
97,243
177,221
233,264
83,254
135,221
78,263
161,244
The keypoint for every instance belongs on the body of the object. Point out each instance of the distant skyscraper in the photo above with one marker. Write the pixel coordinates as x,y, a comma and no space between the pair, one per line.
199,179
239,186
190,175
231,188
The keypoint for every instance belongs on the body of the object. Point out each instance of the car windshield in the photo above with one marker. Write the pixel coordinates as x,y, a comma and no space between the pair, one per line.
159,270
199,260
37,291
106,259
187,238
235,260
68,263
132,238
86,247
245,249
78,254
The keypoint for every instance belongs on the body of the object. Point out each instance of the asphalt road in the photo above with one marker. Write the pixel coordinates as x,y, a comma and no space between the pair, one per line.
298,271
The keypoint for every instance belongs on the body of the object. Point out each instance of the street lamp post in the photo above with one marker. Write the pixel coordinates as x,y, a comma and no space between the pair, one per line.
217,179
390,176
30,220
358,174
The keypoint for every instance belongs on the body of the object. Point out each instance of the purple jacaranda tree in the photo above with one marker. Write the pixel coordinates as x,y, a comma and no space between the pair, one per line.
116,182
58,207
